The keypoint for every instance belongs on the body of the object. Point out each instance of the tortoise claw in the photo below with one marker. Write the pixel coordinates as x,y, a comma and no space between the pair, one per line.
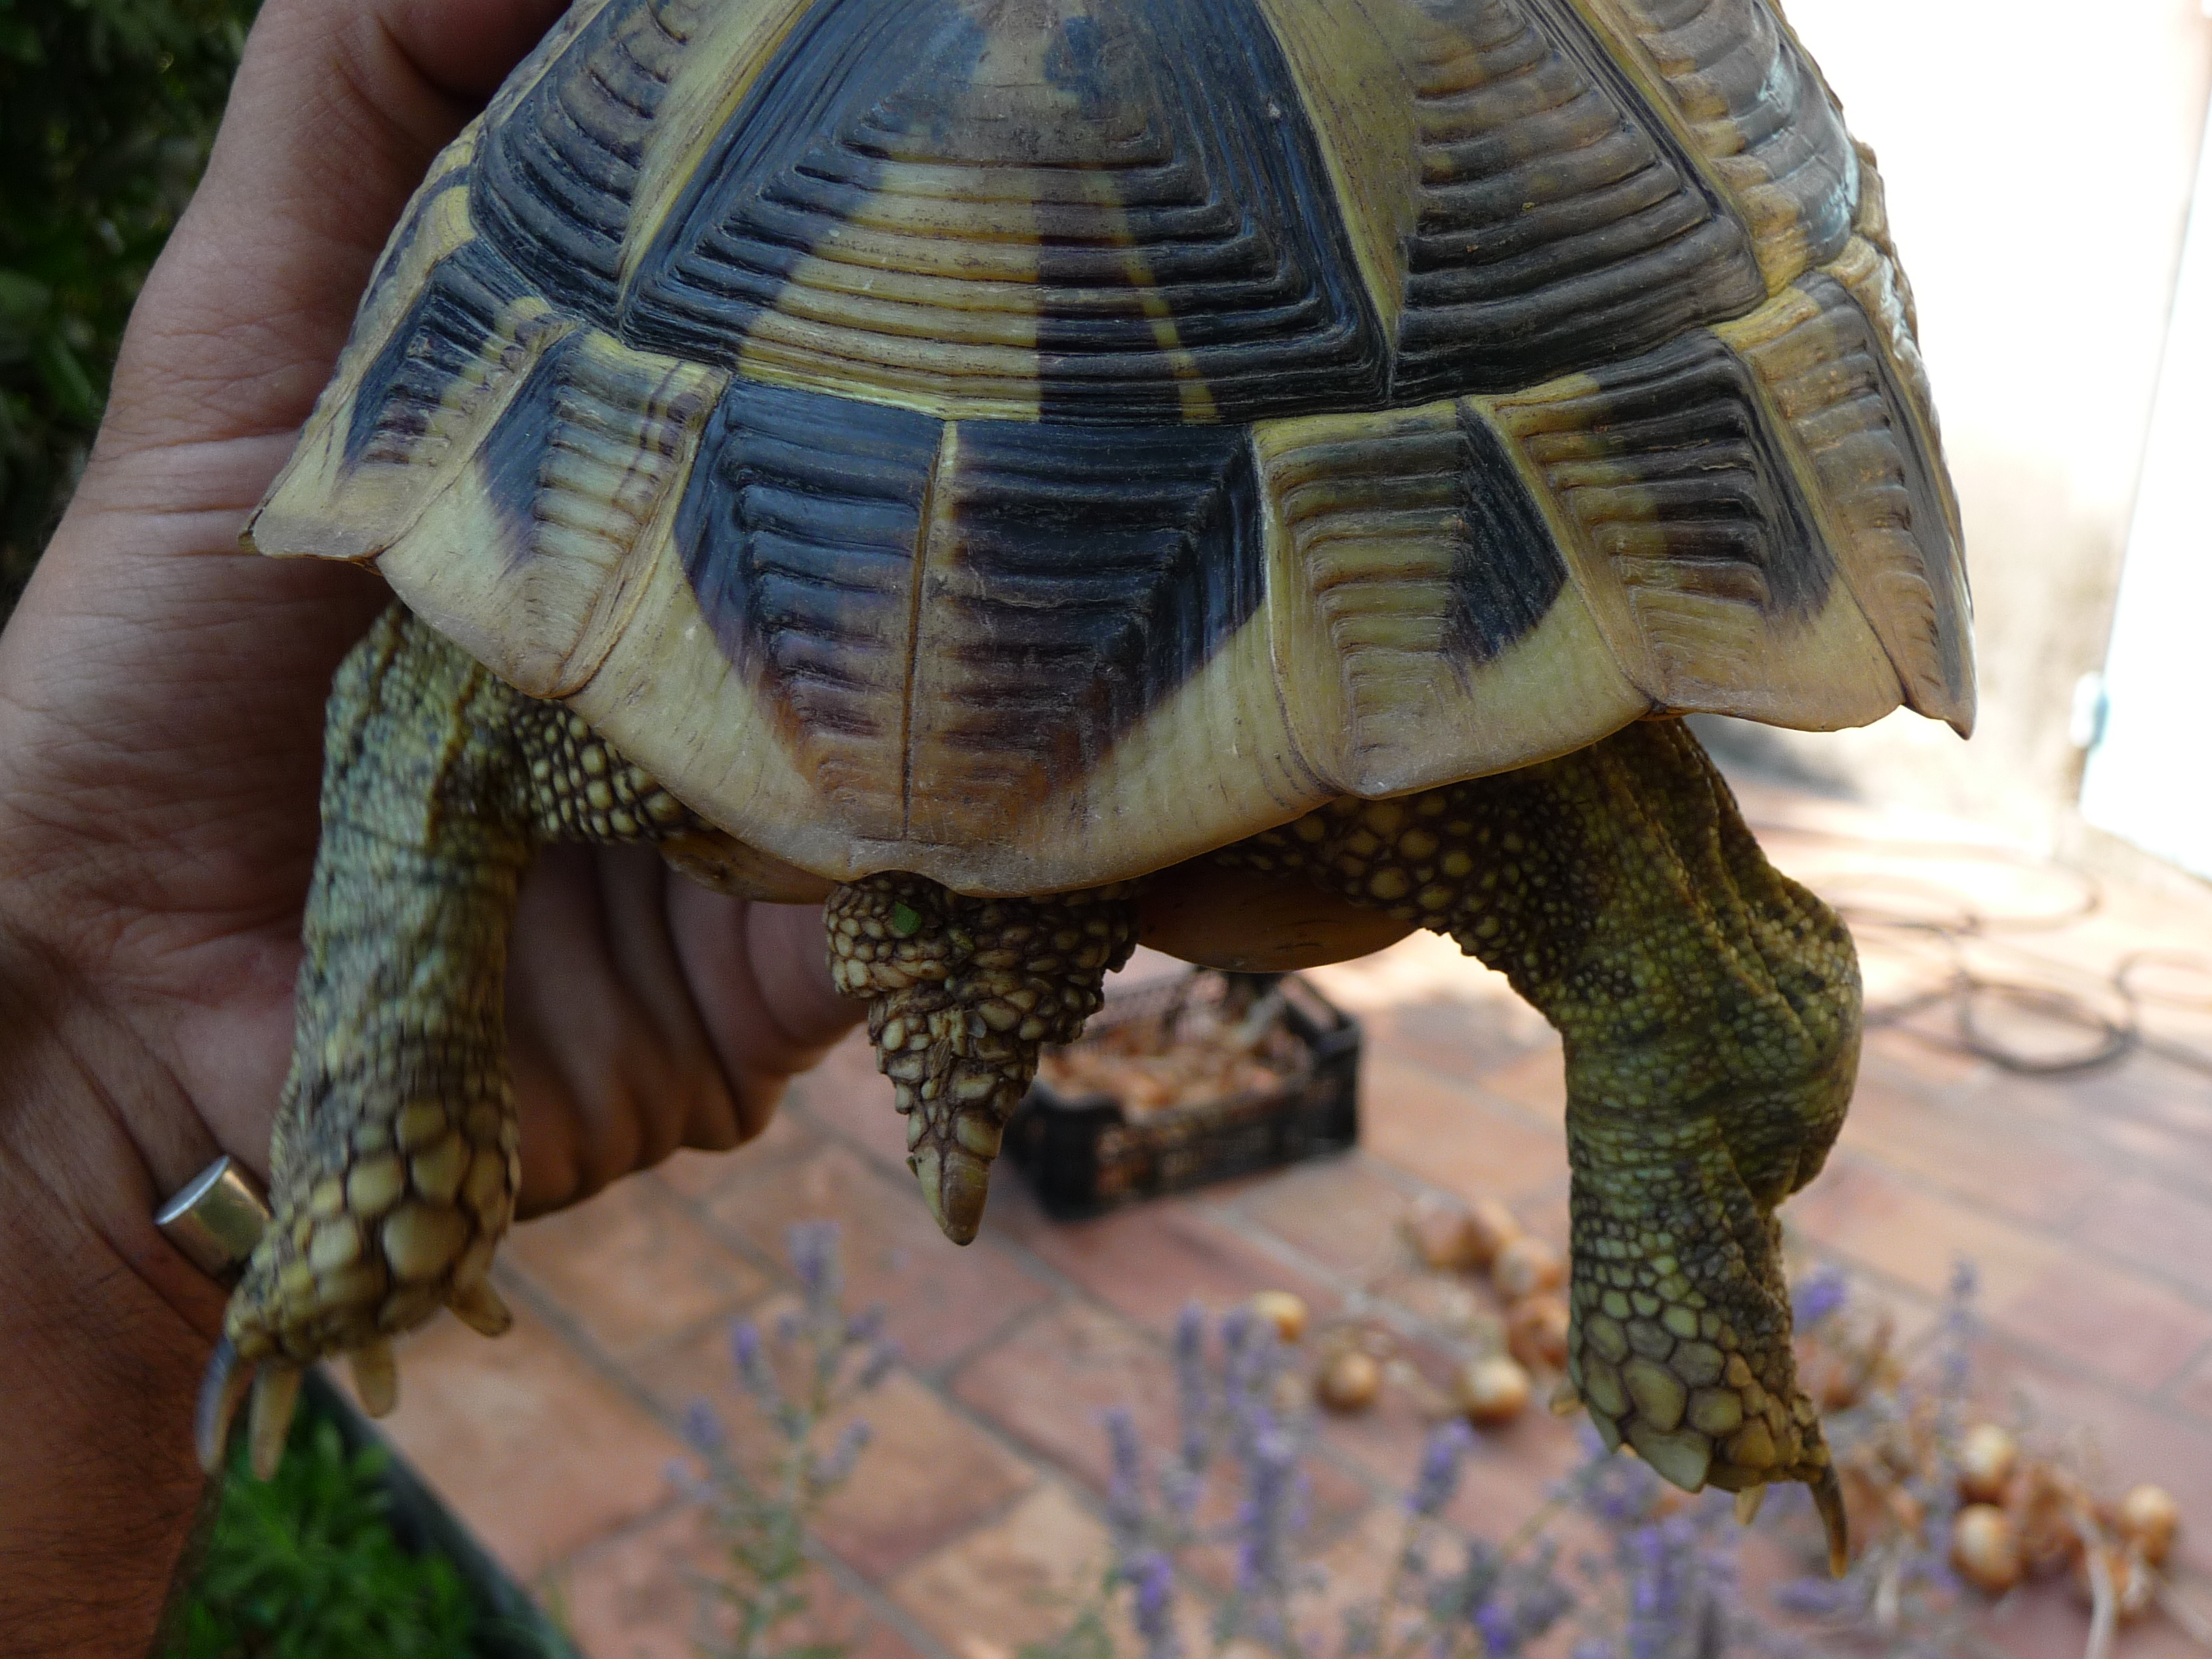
1828,1500
222,1390
481,1308
1748,1503
375,1377
276,1395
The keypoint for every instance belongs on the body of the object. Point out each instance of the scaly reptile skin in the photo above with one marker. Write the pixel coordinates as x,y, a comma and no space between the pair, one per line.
1710,1008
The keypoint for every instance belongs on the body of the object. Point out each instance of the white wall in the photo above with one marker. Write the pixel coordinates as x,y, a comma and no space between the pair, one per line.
2039,155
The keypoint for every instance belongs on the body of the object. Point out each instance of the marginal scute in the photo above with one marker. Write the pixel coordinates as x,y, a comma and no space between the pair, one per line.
797,534
1878,488
531,560
1759,113
1685,526
1075,579
1417,601
1558,227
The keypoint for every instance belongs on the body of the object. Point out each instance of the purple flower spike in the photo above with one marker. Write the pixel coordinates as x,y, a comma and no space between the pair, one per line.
702,1430
1501,1634
753,1368
812,1246
1152,1577
832,1470
1821,1296
1441,1459
881,1358
1125,1492
1192,1407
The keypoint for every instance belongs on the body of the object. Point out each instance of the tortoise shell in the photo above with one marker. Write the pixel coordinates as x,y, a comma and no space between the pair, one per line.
1028,442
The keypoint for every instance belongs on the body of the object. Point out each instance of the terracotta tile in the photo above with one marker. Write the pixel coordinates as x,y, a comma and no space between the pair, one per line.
2194,1392
2149,1223
532,1448
634,1598
1049,1382
1538,1081
1020,1579
1879,1221
2148,1110
1458,1038
1969,1147
2118,1326
940,1300
1453,1135
927,1475
1342,1212
1932,1055
632,1267
1150,1260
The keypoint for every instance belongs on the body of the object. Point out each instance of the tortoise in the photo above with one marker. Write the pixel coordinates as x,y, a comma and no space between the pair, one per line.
1269,474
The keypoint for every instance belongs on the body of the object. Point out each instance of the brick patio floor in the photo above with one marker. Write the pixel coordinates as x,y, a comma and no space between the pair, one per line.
2084,1200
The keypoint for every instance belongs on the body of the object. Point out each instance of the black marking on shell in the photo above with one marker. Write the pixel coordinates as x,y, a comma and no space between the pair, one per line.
1674,442
446,334
1094,572
582,458
1182,206
798,530
1508,570
1561,225
1424,521
554,185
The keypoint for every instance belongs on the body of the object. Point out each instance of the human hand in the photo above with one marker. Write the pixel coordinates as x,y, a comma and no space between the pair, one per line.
160,724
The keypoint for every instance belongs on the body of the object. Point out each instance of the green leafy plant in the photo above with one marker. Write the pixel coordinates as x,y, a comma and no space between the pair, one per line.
306,1565
108,110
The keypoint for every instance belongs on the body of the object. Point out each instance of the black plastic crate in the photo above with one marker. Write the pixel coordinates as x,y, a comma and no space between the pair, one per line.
1084,1155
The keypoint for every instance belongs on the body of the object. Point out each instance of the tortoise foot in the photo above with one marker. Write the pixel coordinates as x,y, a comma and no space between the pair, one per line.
382,1217
1679,1344
962,994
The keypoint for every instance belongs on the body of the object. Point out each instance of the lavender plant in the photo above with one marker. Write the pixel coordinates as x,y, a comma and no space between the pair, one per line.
1663,1585
1902,1593
1487,1604
796,1379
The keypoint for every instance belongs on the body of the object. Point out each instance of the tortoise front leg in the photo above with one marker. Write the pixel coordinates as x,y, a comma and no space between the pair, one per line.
393,1164
1710,1007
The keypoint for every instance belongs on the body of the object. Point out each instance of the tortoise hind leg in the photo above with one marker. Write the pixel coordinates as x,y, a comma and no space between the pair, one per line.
963,993
1710,1011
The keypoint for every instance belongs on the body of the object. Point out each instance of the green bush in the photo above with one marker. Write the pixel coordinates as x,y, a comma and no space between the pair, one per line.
305,1566
108,108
